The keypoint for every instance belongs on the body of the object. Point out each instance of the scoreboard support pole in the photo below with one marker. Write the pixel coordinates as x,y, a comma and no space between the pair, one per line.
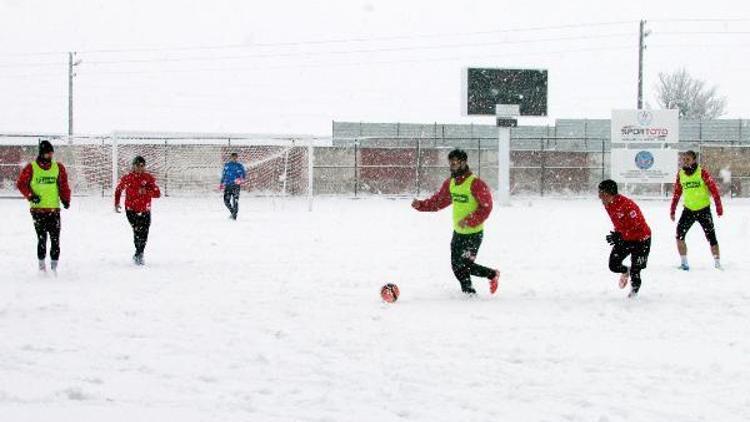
505,118
503,166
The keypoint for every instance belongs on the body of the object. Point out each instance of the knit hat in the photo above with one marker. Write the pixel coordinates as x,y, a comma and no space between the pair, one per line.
45,147
139,160
458,154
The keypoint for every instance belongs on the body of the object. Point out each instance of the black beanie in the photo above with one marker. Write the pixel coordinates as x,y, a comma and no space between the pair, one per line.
45,147
458,154
139,160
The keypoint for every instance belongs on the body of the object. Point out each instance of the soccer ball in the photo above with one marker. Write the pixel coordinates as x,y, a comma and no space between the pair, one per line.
389,292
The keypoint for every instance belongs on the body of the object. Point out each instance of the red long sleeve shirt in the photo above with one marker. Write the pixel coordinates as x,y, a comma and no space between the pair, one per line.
710,183
628,219
442,199
24,183
139,189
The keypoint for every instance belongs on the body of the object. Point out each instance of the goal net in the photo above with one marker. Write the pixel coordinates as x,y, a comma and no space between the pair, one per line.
182,166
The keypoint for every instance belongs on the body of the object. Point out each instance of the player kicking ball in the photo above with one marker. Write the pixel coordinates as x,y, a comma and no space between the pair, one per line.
472,204
632,236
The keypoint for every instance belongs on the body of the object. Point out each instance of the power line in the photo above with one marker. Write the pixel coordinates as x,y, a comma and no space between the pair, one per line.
712,20
31,64
364,63
745,45
30,75
703,33
364,39
360,51
374,39
328,41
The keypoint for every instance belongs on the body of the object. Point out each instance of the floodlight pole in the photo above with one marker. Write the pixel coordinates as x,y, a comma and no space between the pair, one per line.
72,63
642,34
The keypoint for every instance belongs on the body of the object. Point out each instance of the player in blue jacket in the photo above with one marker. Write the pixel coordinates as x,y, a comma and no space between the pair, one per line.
231,181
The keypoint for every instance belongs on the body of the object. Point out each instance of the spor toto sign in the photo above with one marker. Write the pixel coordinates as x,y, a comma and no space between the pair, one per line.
645,126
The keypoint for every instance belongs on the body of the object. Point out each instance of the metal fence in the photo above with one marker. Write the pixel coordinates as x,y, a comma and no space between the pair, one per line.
358,166
541,166
414,166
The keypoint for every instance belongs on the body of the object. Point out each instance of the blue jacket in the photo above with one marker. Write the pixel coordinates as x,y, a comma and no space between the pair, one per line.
232,172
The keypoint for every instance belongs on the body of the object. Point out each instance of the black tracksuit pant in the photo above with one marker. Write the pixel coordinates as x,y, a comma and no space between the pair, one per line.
47,223
140,222
232,199
464,249
704,218
639,251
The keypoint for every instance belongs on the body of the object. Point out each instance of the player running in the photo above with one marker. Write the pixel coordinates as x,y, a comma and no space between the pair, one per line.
632,236
472,204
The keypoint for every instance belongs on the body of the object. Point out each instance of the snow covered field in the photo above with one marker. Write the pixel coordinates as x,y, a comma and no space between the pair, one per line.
277,317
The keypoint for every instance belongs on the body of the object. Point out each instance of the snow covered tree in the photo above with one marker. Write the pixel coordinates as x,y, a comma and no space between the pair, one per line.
691,96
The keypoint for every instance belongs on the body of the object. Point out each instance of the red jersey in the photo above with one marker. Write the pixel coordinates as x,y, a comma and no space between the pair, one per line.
442,199
139,189
24,183
628,219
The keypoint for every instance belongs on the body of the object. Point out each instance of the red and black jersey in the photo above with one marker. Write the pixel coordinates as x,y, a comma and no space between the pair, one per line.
442,199
628,219
139,189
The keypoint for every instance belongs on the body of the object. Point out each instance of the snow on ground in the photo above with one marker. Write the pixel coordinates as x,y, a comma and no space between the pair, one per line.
277,317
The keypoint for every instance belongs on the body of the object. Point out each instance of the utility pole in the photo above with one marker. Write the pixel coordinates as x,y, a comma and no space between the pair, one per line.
642,34
71,65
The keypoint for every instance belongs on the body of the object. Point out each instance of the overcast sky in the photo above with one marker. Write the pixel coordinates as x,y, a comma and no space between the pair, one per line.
294,66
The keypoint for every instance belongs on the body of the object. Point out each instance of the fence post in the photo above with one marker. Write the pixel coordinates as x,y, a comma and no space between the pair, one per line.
310,173
115,163
356,167
739,133
479,155
541,176
418,162
603,168
166,168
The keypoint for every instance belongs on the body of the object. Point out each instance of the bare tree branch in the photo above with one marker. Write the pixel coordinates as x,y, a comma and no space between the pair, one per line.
691,96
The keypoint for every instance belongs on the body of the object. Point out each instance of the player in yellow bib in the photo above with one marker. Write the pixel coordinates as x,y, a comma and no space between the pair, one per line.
697,186
44,183
472,204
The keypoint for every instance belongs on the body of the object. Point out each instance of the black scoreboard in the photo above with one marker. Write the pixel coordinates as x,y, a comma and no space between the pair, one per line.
487,87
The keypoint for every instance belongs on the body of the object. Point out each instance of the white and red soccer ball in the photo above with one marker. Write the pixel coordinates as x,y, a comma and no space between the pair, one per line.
389,292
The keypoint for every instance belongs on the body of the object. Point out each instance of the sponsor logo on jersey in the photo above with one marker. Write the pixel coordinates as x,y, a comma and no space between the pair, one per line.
459,197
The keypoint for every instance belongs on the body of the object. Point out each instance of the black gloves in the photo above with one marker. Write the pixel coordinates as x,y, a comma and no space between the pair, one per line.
65,204
614,238
35,198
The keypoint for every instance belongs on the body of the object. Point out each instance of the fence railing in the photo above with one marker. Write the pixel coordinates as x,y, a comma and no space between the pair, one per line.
543,166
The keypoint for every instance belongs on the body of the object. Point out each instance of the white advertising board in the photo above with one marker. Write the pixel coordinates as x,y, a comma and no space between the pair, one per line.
645,126
644,165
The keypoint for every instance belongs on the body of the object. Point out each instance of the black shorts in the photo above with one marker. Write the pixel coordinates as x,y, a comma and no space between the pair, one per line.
638,251
703,217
